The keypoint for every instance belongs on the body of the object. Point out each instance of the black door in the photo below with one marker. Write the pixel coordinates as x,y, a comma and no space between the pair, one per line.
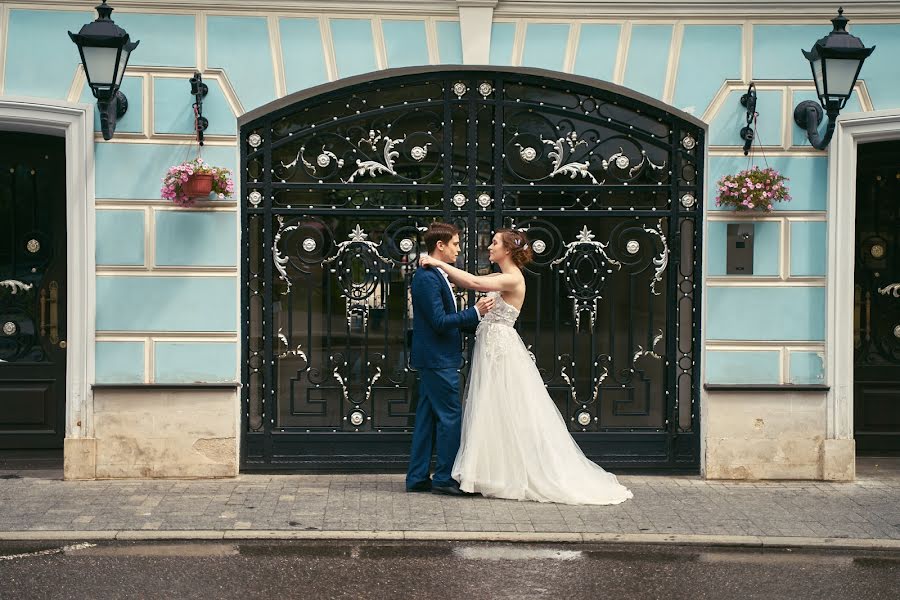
877,292
337,188
32,291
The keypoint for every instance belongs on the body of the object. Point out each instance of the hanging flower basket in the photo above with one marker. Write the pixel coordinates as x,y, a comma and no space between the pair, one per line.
195,180
198,185
754,189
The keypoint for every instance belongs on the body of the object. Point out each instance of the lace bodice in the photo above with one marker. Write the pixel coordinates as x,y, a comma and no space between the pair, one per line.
502,313
496,331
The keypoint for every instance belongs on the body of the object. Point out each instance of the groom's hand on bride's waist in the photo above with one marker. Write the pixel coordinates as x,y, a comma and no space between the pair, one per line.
484,305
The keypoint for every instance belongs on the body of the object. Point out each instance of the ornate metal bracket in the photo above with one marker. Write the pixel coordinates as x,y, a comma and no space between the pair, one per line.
892,289
199,91
748,132
15,285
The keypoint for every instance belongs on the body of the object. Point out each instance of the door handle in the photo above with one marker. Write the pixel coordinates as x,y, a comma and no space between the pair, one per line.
868,316
54,313
43,327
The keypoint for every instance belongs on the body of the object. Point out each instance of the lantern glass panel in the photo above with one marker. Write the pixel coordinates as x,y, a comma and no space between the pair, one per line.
100,64
841,74
123,62
818,76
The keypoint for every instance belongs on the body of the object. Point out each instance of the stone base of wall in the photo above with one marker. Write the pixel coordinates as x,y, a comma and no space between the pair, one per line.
772,435
158,433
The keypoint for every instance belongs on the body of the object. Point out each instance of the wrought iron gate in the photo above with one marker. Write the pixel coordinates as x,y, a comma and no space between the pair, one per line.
338,183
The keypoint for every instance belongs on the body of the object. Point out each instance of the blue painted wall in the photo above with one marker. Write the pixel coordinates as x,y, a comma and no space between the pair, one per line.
40,61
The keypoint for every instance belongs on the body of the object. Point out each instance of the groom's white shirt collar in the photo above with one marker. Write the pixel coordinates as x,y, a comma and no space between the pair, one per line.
452,293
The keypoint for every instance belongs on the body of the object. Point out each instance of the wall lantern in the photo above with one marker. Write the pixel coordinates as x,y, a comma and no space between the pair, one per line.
105,48
836,60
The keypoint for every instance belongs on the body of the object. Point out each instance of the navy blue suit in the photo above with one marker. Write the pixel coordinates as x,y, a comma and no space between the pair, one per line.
437,355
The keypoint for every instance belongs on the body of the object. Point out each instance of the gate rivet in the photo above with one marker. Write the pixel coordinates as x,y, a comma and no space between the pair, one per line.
584,418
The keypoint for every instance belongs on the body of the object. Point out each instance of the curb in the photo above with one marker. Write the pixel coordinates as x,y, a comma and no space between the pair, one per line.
746,541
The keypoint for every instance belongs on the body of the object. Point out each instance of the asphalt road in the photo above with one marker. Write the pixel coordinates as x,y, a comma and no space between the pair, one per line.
469,571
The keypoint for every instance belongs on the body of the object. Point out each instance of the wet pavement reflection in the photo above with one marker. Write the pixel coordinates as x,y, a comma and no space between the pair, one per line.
259,569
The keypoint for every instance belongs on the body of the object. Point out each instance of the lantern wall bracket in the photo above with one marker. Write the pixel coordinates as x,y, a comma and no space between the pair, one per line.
808,115
199,91
747,132
111,110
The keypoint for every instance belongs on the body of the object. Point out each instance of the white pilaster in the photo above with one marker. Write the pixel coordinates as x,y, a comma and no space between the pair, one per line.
475,20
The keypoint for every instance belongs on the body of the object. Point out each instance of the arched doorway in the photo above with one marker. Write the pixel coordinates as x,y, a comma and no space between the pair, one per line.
337,183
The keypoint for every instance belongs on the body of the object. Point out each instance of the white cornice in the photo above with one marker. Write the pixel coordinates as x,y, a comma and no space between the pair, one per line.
757,10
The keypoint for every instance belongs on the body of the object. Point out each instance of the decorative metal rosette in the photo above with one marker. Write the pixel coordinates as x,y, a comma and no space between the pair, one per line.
583,418
460,89
688,201
301,245
485,89
459,200
484,200
255,197
400,241
357,417
255,140
638,246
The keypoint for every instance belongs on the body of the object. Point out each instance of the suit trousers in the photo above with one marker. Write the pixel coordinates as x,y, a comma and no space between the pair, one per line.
438,424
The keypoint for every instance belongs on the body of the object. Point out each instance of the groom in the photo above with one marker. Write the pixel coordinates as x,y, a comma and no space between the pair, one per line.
437,355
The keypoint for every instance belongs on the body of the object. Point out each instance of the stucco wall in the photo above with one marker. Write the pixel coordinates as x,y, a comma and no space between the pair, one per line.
167,277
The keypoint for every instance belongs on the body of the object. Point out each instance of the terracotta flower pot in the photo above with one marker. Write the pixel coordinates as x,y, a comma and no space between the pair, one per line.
198,185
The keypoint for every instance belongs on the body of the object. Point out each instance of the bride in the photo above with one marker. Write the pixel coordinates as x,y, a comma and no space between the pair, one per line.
515,443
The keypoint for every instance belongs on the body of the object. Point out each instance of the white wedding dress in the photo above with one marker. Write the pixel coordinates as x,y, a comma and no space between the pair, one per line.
515,444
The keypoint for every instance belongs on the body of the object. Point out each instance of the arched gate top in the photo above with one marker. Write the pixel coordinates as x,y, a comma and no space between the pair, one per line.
420,73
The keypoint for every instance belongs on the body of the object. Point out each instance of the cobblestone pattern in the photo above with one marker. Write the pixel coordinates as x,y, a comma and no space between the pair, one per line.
865,509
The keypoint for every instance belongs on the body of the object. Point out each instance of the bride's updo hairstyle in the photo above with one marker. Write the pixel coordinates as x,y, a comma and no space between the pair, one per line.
518,246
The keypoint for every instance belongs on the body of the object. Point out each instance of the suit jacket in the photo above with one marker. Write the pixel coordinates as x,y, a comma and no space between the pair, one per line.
436,339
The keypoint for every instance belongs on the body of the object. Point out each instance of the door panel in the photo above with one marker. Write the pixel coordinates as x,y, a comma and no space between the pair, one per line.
32,291
877,294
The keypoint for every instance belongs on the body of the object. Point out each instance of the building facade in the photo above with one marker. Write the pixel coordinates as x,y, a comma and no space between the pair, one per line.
270,329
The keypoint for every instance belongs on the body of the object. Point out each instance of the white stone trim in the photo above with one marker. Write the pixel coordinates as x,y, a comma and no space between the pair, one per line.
622,53
774,10
274,27
74,122
475,22
672,65
852,130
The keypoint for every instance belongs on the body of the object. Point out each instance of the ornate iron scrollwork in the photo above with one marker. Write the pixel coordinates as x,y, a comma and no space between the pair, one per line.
339,189
15,286
585,269
892,289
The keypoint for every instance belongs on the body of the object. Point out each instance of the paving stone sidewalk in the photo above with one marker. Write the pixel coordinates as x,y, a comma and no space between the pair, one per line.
868,508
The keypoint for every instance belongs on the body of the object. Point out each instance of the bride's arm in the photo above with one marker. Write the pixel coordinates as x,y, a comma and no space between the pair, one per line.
495,282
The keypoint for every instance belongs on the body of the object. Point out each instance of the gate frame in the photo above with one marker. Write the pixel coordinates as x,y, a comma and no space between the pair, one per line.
285,102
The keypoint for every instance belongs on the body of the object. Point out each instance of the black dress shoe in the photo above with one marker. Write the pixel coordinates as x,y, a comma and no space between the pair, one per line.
449,490
422,486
